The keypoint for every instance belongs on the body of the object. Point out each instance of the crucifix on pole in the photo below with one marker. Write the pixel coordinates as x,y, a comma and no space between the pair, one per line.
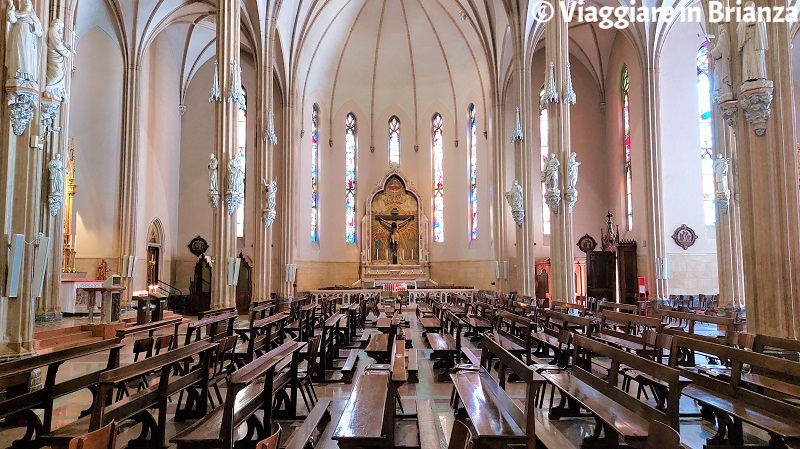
394,223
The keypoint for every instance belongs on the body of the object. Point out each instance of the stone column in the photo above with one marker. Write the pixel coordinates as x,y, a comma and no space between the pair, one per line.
729,243
558,140
129,173
528,176
21,165
223,246
767,185
262,258
56,127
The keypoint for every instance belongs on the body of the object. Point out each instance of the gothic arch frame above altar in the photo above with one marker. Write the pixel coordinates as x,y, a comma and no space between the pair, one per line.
389,204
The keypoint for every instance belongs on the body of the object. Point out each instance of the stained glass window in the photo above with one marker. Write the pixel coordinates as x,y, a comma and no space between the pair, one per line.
241,133
350,178
473,174
626,128
706,138
545,152
314,173
438,180
394,140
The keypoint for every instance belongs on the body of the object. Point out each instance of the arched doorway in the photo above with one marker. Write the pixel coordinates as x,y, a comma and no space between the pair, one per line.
154,241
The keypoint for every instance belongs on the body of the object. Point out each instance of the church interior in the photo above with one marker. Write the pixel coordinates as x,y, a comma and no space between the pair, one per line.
223,220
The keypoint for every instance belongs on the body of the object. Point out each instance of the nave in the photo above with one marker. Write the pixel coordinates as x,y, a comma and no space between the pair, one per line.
630,368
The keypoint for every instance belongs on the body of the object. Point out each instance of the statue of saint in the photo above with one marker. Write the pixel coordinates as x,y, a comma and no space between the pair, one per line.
235,176
56,168
102,270
550,173
721,173
753,45
514,197
721,53
213,175
22,49
572,172
57,54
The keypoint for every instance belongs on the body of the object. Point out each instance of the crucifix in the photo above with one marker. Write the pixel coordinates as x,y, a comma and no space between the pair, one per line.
394,223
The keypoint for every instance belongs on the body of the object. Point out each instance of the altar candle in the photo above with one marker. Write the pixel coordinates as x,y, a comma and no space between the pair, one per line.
412,254
387,254
377,254
403,254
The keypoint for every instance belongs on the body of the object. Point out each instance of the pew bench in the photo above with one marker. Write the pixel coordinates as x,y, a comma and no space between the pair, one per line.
21,401
246,394
496,419
737,397
264,334
306,436
367,420
194,329
151,328
137,405
445,346
513,333
215,312
616,412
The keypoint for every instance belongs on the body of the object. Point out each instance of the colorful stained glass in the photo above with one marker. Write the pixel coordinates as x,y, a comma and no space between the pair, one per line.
706,136
241,132
314,174
350,178
626,123
544,150
473,174
438,180
394,140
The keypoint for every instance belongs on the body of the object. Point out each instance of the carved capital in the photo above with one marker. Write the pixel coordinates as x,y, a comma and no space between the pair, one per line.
722,200
213,199
571,197
21,105
553,198
756,99
54,202
233,200
729,109
519,217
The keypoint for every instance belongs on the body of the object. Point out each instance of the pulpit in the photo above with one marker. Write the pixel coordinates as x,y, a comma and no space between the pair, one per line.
150,307
109,303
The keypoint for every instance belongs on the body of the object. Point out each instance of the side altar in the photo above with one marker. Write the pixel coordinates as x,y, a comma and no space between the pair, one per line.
395,243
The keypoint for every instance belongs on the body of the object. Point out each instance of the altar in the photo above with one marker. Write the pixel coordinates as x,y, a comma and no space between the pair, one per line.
395,247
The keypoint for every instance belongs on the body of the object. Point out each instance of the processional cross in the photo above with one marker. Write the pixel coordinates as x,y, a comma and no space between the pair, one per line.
394,223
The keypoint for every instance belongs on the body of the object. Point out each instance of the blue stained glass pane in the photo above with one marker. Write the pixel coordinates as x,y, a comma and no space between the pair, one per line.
350,178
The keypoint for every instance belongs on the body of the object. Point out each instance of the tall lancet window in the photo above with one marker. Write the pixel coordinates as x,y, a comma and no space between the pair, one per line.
438,180
706,137
240,154
544,151
472,164
626,143
394,140
314,173
350,178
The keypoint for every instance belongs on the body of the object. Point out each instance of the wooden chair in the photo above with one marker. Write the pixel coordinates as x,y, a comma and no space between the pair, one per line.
460,437
104,438
662,436
273,442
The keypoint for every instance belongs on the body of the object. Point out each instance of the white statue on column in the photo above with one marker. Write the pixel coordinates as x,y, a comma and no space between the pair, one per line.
56,170
57,55
213,175
515,200
721,173
721,53
753,44
572,180
269,213
22,46
235,193
550,173
722,194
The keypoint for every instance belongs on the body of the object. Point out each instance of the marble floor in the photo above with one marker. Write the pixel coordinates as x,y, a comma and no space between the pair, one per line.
694,431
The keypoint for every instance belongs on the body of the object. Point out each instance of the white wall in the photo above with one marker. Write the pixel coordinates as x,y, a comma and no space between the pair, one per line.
693,270
95,124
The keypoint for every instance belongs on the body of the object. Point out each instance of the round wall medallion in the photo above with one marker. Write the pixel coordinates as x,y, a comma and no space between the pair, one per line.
587,243
684,236
198,246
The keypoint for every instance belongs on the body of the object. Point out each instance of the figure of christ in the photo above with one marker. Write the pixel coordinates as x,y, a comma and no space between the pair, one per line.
394,223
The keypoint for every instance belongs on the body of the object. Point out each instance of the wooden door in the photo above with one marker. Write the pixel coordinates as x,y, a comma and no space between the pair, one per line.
601,275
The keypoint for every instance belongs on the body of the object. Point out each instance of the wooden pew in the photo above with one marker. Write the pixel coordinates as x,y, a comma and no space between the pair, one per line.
195,328
362,424
513,333
433,321
736,397
151,328
309,432
380,345
21,401
137,406
246,395
616,412
479,319
630,328
265,334
334,338
549,338
725,326
301,326
214,312
567,307
496,419
446,345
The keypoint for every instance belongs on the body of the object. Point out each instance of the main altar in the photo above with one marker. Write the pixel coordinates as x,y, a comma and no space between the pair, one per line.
395,244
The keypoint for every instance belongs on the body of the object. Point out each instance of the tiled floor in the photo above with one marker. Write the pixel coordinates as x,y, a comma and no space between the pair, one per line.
693,430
